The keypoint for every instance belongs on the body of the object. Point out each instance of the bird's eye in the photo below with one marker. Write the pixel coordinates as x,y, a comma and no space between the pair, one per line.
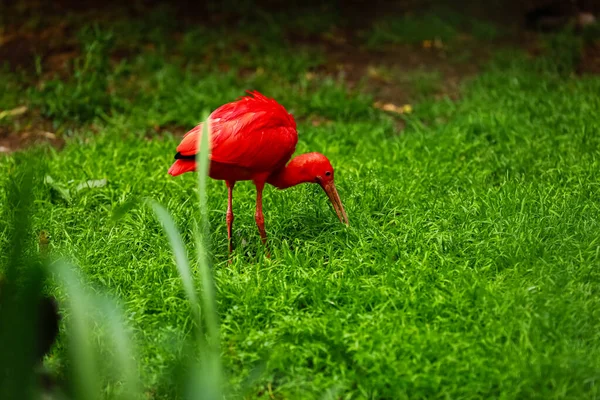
328,173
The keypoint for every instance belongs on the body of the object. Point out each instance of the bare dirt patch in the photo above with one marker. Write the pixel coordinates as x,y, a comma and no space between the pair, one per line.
398,75
26,129
590,59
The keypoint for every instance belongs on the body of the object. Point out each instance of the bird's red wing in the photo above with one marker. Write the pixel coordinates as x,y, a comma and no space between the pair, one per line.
189,143
255,133
251,143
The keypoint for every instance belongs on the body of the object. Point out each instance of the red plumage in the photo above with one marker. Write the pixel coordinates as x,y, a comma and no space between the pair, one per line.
253,138
253,133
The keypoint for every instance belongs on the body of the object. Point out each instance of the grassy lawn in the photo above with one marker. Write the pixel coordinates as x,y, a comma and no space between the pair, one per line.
471,265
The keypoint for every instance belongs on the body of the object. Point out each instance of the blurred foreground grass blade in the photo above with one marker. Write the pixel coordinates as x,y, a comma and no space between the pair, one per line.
123,350
181,260
85,308
207,378
18,215
333,392
208,292
202,163
20,291
247,384
85,379
210,372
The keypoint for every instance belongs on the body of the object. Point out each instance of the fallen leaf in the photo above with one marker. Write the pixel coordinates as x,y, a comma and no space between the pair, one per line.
377,73
334,36
436,43
47,135
585,19
58,188
14,112
405,109
318,121
44,241
94,183
7,38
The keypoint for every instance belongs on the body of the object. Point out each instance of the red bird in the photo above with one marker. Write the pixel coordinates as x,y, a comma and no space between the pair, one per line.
252,139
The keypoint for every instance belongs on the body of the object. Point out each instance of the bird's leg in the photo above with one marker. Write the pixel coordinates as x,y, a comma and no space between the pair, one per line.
260,218
230,185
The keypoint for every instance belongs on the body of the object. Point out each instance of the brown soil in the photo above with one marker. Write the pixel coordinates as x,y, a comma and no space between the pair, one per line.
590,60
386,73
28,129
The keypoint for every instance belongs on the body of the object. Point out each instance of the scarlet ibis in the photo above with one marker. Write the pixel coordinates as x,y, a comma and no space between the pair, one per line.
253,138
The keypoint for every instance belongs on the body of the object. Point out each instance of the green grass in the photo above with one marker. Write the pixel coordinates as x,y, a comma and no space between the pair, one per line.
469,270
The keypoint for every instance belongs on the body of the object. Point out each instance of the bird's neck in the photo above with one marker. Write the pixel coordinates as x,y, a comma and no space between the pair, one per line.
292,174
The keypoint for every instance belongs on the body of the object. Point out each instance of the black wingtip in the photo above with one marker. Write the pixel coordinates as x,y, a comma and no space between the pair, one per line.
180,156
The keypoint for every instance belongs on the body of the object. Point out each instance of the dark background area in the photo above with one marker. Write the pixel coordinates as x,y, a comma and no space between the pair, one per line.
41,40
180,15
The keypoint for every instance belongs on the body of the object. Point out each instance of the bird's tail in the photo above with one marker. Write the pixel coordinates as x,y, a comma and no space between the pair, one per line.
185,159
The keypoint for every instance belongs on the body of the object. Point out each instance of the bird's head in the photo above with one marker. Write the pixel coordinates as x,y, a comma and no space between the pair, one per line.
316,168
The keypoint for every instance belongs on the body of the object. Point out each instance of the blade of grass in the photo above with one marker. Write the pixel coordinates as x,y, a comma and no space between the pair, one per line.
206,375
202,163
86,308
205,380
122,349
181,260
120,210
208,292
20,291
333,392
85,377
211,372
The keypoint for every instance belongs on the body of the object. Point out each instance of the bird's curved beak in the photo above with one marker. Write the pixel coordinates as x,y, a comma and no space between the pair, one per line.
333,195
